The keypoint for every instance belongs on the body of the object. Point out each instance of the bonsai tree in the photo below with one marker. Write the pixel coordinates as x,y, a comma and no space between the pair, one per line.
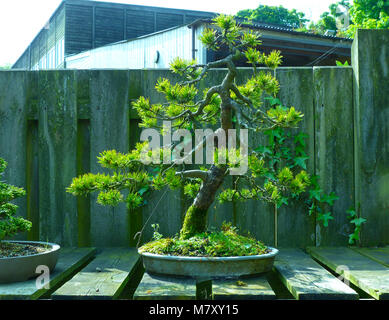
9,224
274,175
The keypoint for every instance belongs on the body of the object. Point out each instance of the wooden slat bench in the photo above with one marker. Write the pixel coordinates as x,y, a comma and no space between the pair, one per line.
117,273
157,287
153,287
69,262
380,255
251,288
365,273
106,277
307,280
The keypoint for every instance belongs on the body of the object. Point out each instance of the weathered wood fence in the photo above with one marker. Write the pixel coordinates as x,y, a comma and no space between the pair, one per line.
53,125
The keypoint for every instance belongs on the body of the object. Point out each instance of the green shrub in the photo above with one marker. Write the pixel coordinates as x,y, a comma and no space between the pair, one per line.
9,224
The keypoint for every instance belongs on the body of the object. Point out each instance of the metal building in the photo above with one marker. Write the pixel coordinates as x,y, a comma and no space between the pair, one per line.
156,50
80,25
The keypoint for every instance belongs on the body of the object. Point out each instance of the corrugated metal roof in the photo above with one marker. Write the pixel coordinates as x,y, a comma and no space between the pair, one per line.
274,27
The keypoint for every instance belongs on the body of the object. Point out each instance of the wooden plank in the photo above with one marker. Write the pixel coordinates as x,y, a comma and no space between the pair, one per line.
57,130
13,129
109,129
307,280
83,166
32,178
153,287
334,163
370,56
368,275
295,227
104,278
380,255
69,262
253,288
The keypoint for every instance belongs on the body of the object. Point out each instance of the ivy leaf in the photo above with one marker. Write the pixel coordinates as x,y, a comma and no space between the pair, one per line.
315,194
263,149
325,217
314,182
283,200
330,198
300,151
351,213
300,139
352,238
358,221
300,161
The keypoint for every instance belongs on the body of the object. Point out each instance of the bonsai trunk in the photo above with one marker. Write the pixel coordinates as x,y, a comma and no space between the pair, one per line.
196,216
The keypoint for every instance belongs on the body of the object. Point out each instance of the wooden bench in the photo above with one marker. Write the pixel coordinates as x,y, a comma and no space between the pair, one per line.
251,288
117,273
380,255
307,280
358,267
154,287
297,271
70,261
157,287
106,277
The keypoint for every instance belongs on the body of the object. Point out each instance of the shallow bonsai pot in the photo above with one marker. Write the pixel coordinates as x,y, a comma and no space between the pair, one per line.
22,268
213,267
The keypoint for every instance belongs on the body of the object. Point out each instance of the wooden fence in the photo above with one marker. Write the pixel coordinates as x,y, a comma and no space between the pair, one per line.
53,125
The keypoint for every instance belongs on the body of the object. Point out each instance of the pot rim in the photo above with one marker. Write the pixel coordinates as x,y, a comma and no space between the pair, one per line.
54,247
271,254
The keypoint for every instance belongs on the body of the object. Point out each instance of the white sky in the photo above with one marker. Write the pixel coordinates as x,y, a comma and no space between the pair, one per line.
21,20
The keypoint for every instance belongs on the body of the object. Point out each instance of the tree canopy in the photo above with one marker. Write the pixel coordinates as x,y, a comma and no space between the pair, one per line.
369,14
6,66
275,15
365,14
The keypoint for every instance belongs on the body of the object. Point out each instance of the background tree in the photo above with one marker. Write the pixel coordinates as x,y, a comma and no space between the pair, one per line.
369,14
9,224
6,66
275,15
327,22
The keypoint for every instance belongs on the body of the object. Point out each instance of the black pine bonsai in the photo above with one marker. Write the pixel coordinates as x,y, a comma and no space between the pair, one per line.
272,175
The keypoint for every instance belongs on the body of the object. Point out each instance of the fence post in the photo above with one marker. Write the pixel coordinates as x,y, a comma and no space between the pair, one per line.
370,61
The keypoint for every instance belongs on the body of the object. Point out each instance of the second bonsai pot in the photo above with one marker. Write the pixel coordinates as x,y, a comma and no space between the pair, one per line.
22,268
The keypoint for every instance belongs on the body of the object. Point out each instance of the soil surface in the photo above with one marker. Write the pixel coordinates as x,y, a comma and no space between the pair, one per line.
9,250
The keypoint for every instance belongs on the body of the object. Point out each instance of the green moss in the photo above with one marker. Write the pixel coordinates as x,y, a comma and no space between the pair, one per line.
225,243
195,222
